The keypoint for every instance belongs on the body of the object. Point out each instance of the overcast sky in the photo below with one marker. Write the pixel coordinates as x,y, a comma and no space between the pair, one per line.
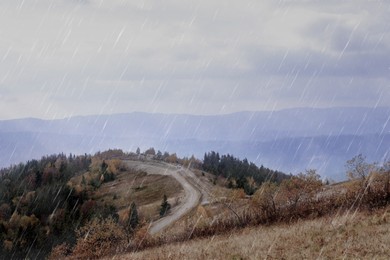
60,58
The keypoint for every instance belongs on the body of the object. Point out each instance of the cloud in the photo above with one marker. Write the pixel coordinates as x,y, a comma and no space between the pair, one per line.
88,57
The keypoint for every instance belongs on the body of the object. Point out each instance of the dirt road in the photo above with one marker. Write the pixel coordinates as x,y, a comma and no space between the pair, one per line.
193,193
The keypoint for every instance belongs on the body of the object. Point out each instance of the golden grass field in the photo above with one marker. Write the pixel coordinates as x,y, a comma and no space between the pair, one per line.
360,235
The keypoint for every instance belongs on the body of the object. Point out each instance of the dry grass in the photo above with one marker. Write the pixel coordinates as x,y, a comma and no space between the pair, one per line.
202,217
145,190
139,187
293,221
350,236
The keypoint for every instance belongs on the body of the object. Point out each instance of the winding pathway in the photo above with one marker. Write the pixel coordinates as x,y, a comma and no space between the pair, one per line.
193,193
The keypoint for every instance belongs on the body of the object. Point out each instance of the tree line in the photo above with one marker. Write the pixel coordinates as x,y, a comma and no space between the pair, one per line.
241,174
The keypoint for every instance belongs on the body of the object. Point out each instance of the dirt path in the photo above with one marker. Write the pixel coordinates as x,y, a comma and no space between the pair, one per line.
186,178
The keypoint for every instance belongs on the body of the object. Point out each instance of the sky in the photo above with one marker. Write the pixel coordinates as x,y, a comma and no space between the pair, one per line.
61,58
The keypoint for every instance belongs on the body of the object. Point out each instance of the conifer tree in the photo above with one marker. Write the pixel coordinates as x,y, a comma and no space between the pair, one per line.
165,206
133,217
132,221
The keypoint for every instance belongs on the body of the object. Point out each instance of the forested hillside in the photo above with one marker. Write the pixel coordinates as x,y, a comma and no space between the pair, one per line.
37,207
67,205
53,201
241,174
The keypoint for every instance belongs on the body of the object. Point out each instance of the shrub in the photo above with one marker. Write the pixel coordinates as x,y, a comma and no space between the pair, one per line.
142,239
99,238
264,200
60,252
95,183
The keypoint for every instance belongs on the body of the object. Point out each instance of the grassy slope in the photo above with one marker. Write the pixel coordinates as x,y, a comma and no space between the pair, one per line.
146,190
361,236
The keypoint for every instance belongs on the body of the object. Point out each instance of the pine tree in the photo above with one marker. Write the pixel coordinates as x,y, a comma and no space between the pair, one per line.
133,220
165,206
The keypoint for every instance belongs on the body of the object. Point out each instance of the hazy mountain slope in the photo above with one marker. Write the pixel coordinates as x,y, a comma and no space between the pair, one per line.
289,140
238,126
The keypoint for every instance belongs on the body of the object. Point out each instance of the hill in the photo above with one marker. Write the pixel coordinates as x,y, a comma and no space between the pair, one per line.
112,203
59,199
44,202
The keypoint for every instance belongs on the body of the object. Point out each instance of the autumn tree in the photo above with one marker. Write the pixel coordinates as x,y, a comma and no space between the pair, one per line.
358,169
300,188
150,151
172,158
192,162
25,231
371,183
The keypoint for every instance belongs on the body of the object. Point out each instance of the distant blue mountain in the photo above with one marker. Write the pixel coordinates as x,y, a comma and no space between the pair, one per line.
291,140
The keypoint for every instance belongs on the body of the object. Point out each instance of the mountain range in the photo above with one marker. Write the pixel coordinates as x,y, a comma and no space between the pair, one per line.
290,140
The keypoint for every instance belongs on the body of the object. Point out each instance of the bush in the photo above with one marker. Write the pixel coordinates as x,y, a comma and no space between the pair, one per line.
59,252
95,183
99,238
264,200
142,239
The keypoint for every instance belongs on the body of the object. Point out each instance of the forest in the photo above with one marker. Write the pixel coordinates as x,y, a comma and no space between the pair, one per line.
240,174
37,207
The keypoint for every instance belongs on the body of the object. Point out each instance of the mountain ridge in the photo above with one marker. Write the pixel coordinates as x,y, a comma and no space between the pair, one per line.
206,115
263,137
